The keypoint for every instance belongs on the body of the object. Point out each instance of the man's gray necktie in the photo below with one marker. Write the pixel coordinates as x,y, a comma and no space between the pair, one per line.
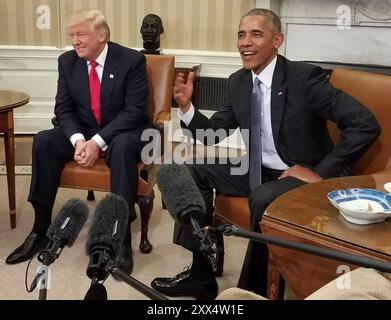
255,176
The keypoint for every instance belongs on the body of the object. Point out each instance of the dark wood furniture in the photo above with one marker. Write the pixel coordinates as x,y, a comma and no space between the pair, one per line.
305,215
9,100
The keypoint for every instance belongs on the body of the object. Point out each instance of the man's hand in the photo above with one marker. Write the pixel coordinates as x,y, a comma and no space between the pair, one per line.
91,150
183,90
301,173
79,151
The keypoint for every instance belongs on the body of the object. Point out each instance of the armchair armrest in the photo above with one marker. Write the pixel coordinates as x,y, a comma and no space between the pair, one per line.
161,118
55,122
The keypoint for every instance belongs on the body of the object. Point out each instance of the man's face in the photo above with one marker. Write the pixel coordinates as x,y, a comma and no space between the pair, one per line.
87,42
150,29
257,42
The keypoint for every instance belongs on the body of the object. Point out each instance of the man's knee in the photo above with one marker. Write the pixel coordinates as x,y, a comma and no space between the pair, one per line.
125,146
259,199
44,140
261,196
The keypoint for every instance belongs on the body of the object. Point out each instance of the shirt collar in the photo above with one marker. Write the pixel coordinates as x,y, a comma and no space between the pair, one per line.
102,57
266,75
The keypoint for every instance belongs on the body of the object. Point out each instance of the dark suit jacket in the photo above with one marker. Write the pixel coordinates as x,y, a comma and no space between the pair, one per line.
124,94
302,99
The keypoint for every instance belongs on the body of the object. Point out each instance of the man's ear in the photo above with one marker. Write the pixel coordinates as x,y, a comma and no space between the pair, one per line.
278,40
102,36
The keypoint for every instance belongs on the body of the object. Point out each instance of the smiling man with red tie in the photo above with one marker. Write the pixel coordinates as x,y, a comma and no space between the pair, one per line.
101,106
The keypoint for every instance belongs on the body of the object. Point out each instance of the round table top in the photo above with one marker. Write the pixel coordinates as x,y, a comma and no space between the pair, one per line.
12,99
308,207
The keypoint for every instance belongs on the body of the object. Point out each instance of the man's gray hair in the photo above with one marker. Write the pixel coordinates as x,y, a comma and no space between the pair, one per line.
95,16
274,19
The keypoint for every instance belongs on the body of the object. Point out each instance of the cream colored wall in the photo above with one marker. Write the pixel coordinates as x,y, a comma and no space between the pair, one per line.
18,23
209,25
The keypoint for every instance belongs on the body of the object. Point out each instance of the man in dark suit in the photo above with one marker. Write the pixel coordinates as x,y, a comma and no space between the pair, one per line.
101,107
285,106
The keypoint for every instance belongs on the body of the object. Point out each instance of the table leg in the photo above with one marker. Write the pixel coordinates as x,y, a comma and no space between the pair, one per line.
10,164
275,282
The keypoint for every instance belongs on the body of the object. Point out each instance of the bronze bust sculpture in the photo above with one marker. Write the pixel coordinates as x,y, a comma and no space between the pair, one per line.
151,29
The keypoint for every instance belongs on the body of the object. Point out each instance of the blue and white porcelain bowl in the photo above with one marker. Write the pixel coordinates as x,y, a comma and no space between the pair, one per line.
361,206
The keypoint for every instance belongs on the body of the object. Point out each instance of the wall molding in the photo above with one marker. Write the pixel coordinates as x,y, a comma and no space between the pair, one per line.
33,69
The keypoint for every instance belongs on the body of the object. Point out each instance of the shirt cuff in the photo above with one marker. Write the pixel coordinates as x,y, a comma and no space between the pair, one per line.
188,116
101,143
75,137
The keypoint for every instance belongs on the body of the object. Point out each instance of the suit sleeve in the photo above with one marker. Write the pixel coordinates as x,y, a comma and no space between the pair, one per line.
359,128
133,113
221,122
65,109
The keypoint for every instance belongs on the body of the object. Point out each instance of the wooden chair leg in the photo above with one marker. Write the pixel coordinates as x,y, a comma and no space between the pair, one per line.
146,206
90,195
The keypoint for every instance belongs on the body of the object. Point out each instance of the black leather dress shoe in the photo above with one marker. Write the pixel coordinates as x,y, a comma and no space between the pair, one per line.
33,244
183,285
124,260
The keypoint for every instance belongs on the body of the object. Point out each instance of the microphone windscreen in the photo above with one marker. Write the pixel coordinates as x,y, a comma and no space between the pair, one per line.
68,222
179,191
109,224
97,291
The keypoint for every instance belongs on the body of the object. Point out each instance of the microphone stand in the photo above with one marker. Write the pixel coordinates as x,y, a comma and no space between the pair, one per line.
47,257
43,276
230,230
139,286
205,241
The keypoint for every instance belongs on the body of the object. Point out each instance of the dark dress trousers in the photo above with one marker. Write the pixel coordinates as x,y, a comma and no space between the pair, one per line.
123,101
302,100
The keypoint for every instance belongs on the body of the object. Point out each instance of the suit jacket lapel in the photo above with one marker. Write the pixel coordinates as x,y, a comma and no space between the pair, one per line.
278,94
108,80
82,83
245,99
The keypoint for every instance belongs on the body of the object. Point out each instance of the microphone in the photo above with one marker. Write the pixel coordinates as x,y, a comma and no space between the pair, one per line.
180,193
103,244
64,229
185,203
106,235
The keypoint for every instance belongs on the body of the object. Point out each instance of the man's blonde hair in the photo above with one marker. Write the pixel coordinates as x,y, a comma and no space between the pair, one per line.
96,17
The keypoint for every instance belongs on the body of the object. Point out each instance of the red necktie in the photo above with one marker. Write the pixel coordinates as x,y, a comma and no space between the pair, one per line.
95,91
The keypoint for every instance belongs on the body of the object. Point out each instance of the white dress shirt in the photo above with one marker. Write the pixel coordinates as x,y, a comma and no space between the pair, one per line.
270,157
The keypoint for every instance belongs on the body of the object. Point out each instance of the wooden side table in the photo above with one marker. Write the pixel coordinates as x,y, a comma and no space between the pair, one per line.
305,215
8,101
